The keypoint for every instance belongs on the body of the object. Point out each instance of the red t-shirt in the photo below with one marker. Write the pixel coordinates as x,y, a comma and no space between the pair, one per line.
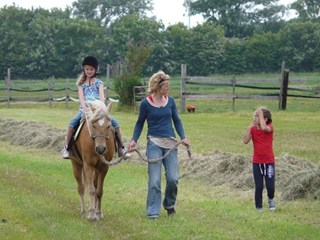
262,145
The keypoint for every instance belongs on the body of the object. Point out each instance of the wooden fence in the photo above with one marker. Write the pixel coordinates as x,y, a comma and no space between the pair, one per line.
274,89
50,93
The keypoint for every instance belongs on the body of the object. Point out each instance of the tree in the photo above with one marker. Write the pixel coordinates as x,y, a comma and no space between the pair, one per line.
14,46
41,43
129,71
107,11
300,46
234,57
237,17
138,29
262,53
205,49
176,42
307,9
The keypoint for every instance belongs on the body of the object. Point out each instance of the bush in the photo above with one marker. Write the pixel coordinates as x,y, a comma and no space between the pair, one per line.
123,86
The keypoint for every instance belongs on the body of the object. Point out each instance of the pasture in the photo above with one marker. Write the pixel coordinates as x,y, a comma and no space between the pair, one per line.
39,198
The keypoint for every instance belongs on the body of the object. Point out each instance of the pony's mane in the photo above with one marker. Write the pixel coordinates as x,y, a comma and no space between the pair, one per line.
97,110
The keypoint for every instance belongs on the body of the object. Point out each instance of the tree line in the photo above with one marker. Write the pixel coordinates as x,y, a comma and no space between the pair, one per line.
235,38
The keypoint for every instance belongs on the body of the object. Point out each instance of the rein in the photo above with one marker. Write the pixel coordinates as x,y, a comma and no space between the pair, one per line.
142,158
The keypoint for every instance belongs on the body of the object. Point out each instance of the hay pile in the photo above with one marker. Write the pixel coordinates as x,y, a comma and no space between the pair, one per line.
295,178
31,134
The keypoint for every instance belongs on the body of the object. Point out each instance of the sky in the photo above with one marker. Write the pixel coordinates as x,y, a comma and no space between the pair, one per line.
169,11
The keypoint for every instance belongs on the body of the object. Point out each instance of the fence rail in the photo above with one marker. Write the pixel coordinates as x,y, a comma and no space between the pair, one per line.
49,94
279,88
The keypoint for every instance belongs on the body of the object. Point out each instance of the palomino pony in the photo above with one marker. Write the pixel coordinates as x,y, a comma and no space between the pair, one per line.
94,146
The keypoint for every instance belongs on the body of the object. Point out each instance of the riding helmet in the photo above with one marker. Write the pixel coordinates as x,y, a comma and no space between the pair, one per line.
91,61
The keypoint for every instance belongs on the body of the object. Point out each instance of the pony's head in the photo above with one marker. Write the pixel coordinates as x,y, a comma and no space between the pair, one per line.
99,123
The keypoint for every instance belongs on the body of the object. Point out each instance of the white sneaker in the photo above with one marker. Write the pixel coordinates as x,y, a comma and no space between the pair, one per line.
128,155
65,153
121,151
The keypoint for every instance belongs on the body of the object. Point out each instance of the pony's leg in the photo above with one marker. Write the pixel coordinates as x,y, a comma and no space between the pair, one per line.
89,172
99,190
77,173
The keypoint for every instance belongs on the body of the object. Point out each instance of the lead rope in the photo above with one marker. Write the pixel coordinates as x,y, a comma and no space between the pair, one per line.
142,158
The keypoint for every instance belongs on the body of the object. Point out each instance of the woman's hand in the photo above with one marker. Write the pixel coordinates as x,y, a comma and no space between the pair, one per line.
132,146
185,142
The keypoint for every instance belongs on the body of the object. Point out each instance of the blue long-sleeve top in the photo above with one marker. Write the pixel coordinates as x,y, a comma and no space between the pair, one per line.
159,120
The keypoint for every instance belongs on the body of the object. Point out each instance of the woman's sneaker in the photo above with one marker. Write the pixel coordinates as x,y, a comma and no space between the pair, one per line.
272,205
65,153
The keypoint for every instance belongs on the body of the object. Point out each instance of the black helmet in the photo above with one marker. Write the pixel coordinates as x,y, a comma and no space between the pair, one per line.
91,61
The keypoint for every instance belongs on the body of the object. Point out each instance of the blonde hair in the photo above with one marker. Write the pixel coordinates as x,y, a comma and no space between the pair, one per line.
156,81
81,79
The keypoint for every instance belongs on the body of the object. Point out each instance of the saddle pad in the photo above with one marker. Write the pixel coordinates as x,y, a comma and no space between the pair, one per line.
82,121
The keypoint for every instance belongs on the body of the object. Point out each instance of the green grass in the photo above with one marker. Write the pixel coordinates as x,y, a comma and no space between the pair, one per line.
39,201
38,196
296,133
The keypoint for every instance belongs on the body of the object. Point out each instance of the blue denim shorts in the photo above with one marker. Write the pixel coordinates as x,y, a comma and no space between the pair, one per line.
76,119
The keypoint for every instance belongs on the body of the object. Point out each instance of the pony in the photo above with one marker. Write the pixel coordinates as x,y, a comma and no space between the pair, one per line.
93,149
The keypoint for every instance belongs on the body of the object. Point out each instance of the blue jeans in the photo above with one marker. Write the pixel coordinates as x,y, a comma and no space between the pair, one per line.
76,119
171,166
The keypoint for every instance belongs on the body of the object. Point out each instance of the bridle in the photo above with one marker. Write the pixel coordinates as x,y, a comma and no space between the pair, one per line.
99,135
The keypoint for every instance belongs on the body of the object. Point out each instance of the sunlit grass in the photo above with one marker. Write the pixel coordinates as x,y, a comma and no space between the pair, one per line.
39,201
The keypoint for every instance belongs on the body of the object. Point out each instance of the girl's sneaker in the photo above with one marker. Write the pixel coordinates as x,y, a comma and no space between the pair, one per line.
272,205
65,153
259,209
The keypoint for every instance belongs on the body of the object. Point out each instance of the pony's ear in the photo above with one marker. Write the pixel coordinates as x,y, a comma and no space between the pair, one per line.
109,106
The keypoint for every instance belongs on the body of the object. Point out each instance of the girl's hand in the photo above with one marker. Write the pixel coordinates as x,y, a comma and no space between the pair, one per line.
259,111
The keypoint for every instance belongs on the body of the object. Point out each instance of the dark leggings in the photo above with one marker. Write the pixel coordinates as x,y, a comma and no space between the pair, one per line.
266,171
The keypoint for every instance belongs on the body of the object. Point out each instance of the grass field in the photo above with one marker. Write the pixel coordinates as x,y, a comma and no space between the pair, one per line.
296,132
39,201
38,198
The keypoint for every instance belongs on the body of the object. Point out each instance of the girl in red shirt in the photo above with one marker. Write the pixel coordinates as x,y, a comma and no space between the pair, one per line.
260,131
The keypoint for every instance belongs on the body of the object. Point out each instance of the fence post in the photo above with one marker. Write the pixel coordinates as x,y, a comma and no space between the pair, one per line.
49,92
9,85
281,85
67,93
285,89
233,81
106,93
183,87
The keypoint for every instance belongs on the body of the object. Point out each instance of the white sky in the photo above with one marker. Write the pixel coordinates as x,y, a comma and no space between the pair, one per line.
169,11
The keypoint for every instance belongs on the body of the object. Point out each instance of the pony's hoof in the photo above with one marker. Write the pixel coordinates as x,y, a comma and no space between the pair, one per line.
93,218
83,213
100,216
